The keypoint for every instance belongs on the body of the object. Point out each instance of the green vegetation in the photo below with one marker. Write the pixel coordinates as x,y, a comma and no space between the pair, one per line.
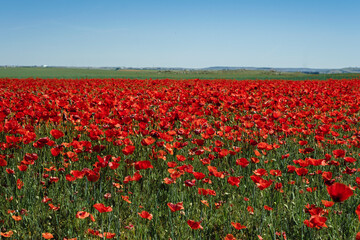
81,73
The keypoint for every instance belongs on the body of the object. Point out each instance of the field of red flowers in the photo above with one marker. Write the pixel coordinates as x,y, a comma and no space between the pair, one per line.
179,159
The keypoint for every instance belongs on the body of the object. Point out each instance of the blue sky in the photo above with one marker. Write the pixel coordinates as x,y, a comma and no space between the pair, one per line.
186,33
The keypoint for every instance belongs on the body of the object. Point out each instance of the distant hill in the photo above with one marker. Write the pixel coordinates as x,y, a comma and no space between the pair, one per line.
215,68
302,70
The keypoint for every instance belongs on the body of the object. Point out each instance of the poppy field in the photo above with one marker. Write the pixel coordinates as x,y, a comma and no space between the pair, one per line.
179,159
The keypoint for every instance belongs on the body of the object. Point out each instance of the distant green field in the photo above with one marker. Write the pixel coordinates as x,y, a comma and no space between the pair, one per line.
78,73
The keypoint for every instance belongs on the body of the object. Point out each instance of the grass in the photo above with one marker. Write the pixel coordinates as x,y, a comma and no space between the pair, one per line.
79,73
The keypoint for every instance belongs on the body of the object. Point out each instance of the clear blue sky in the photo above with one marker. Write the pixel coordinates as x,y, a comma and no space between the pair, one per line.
180,33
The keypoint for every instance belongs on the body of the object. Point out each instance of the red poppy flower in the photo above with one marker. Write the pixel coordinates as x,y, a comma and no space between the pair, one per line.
262,145
339,153
291,168
339,192
276,114
53,179
180,158
199,175
326,176
169,181
243,162
349,159
268,208
95,233
205,202
70,178
223,153
16,218
205,192
92,176
146,215
3,162
147,141
308,150
316,221
237,226
235,181
260,182
113,165
56,133
250,210
210,131
128,150
357,211
130,226
190,183
46,199
101,207
22,168
229,237
47,235
109,235
175,207
213,171
78,174
126,199
327,203
194,225
301,171
357,180
136,177
276,173
260,172
53,207
143,165
10,171
172,164
258,154
82,214
19,184
6,234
